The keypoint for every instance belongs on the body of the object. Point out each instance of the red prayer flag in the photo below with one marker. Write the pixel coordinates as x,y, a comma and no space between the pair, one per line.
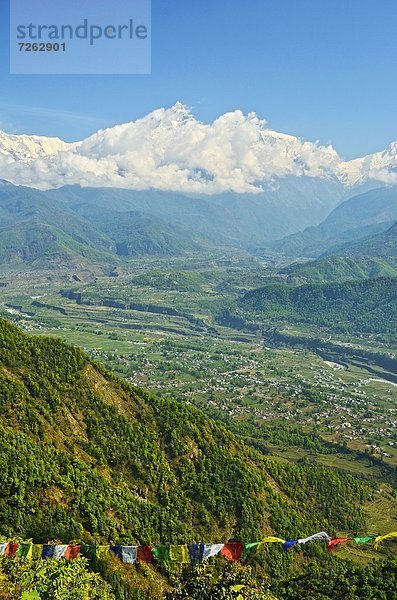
332,543
144,554
11,549
233,550
72,552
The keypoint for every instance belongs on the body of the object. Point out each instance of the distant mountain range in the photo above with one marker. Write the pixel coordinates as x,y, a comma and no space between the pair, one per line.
95,228
240,220
233,182
167,184
46,232
383,245
357,218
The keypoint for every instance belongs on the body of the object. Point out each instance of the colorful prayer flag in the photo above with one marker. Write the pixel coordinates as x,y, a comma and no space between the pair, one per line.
144,554
37,551
25,550
334,542
3,548
289,544
381,538
59,551
233,551
72,551
116,550
249,546
211,550
161,553
89,550
317,536
364,540
196,553
129,554
48,551
179,553
271,539
11,549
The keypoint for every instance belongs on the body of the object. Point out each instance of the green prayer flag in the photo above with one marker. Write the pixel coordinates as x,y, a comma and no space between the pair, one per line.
88,550
179,554
25,550
249,546
162,553
364,540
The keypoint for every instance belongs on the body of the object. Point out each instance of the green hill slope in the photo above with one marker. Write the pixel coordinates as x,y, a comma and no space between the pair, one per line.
341,268
135,233
85,456
382,245
38,231
365,306
356,218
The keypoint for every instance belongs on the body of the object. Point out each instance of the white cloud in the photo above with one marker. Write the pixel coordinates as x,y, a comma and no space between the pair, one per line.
170,150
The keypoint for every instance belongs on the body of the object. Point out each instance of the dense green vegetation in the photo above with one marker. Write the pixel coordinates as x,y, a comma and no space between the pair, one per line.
333,578
220,581
365,306
85,456
340,268
381,245
71,418
328,578
51,580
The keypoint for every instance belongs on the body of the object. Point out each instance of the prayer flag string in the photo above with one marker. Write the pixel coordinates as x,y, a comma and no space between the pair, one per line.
180,553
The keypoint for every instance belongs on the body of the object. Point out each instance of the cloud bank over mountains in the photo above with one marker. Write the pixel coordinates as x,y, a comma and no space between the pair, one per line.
170,150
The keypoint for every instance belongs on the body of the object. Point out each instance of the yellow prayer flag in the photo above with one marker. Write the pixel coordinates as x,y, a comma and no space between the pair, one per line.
381,538
179,554
271,538
37,551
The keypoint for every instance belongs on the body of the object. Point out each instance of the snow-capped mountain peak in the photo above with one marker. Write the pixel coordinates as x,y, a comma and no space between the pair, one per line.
380,166
27,148
170,149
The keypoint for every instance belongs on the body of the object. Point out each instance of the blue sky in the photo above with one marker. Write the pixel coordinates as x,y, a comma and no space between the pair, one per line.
319,69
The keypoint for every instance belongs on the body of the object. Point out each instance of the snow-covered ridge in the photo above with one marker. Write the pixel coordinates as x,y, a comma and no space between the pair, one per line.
381,166
169,149
29,147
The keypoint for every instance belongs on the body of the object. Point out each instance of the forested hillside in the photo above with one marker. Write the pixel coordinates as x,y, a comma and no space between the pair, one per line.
86,457
44,232
341,268
383,245
364,306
